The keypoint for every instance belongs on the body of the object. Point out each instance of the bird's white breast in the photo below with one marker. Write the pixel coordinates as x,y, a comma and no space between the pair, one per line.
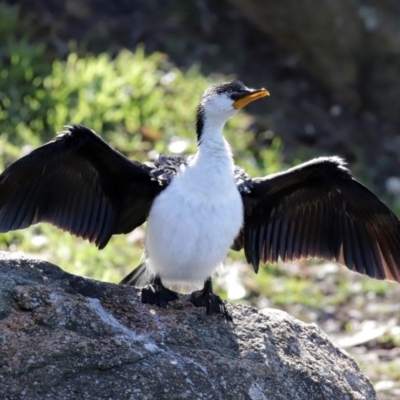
193,222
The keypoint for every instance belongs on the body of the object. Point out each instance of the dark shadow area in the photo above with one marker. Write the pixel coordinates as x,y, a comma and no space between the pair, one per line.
305,110
309,117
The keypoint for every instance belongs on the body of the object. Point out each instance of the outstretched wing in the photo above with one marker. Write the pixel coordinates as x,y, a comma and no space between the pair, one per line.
80,184
319,210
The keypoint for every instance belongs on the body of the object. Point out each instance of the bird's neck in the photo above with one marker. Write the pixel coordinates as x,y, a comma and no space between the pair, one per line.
213,149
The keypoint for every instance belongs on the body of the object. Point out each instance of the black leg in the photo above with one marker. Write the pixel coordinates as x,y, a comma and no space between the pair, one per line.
206,298
156,293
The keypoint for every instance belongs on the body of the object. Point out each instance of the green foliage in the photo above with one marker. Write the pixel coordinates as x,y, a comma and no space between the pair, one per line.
23,102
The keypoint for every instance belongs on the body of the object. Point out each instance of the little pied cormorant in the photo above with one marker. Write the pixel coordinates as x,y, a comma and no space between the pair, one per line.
197,207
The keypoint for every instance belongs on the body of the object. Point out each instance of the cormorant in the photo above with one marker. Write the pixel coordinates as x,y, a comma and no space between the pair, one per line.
197,207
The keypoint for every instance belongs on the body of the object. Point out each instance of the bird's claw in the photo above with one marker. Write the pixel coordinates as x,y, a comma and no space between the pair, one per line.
212,303
158,295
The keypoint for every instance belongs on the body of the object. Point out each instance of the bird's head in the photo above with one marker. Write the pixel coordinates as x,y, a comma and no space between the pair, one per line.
221,102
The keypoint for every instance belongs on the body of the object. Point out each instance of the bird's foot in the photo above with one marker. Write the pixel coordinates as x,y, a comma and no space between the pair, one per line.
213,303
157,294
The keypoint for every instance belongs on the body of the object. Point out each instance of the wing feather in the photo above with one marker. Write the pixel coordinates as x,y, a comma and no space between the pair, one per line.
290,239
319,210
80,184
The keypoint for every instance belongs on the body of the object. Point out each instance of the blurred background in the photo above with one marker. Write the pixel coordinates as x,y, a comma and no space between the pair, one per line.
134,70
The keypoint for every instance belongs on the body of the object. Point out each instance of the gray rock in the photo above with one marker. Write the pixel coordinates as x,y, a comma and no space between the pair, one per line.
67,337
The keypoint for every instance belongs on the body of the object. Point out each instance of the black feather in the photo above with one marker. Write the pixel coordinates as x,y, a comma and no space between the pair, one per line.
325,212
85,188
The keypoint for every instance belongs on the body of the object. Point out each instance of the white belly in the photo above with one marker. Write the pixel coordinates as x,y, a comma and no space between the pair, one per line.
190,230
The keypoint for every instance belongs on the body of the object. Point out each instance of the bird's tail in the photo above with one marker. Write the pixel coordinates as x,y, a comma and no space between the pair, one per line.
135,277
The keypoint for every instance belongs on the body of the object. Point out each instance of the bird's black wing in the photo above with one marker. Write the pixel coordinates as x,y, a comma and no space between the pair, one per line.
80,184
319,210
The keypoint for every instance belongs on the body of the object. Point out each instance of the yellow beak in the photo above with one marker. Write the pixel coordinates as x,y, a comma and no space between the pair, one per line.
248,97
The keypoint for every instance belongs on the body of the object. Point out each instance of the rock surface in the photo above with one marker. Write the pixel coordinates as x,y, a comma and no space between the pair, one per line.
67,337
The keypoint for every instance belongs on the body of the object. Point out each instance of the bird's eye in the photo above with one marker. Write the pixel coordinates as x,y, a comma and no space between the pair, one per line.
235,96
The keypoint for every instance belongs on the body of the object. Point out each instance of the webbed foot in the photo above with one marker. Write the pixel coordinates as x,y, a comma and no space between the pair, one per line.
213,303
156,293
